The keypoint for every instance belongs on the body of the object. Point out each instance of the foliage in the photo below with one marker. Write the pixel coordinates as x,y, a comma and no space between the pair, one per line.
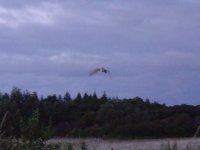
84,146
16,144
31,129
89,116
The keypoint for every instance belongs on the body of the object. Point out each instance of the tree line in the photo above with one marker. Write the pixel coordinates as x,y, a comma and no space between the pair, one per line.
88,115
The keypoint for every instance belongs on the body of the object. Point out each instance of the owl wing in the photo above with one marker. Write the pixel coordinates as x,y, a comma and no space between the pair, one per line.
108,71
95,71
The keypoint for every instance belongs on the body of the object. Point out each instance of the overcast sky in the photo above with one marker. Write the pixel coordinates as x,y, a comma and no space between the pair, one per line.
151,47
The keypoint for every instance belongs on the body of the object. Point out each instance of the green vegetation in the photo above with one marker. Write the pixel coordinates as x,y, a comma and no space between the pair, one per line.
84,146
16,144
30,117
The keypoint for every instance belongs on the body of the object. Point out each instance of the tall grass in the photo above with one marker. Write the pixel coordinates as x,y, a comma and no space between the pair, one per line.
11,143
17,144
169,146
108,144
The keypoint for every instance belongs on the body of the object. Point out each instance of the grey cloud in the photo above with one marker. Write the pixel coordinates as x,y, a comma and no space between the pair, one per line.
151,47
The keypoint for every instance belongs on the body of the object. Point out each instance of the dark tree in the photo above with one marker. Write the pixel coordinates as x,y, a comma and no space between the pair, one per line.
67,97
104,96
16,96
78,97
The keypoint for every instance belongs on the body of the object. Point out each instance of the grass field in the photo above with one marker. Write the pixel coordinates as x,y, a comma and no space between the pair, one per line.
155,144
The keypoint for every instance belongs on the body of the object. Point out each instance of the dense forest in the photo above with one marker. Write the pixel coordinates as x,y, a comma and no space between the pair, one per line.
87,115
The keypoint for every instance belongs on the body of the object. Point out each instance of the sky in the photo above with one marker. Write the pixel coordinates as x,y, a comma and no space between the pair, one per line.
150,47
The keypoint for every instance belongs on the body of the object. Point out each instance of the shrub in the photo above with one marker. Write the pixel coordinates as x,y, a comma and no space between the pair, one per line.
84,146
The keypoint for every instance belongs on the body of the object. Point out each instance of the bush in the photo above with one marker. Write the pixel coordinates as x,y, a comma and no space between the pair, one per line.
84,146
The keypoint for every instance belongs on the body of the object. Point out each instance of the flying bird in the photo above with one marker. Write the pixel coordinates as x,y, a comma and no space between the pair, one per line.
102,69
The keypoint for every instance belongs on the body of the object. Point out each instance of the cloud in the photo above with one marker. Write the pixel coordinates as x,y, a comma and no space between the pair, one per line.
151,47
43,14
